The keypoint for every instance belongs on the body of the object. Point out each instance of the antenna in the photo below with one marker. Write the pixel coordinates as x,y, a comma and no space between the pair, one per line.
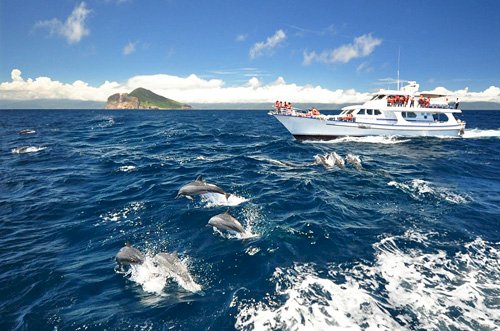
399,55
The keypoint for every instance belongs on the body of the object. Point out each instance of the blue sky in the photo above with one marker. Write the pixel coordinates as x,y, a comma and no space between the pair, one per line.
330,45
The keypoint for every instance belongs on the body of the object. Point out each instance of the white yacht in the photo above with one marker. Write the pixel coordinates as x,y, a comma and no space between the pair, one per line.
404,112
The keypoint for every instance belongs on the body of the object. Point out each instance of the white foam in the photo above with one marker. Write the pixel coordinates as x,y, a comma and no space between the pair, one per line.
477,133
252,250
27,131
235,235
153,278
313,303
123,213
420,189
434,285
216,199
383,140
279,163
405,288
27,149
127,168
149,276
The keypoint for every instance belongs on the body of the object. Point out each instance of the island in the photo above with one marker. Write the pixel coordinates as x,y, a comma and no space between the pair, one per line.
141,98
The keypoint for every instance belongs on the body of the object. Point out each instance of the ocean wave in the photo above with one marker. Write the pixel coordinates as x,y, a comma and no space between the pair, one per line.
313,303
442,289
280,163
420,190
106,122
404,288
27,149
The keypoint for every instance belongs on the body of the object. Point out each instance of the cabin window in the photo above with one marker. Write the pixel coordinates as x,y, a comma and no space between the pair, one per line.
369,111
378,112
361,112
381,96
375,97
408,114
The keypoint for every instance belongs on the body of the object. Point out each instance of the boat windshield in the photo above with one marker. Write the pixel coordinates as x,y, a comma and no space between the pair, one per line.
378,97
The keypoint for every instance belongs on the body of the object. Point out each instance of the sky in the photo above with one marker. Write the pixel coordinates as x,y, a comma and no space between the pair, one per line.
225,51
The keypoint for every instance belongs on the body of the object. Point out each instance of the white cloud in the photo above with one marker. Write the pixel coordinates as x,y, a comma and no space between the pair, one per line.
491,94
362,46
272,42
73,29
241,37
363,68
129,48
193,89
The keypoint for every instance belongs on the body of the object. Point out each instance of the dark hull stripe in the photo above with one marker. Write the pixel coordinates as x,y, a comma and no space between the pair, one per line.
312,137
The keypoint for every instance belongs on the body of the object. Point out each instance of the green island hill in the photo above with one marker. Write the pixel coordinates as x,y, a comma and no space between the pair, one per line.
141,98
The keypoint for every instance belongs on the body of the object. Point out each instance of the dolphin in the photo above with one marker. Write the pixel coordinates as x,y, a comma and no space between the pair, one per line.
354,160
226,222
171,263
327,162
199,186
129,255
338,160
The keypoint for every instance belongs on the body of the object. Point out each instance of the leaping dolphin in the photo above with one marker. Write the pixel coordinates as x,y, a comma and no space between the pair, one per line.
171,263
128,255
199,186
226,222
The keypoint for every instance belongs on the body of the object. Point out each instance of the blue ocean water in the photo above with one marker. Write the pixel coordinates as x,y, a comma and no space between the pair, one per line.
410,239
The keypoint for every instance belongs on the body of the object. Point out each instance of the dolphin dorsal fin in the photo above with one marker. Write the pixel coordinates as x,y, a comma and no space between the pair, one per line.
200,178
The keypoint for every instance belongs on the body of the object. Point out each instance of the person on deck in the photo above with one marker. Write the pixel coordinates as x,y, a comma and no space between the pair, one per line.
421,101
412,102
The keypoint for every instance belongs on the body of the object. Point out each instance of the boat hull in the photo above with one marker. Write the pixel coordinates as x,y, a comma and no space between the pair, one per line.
310,128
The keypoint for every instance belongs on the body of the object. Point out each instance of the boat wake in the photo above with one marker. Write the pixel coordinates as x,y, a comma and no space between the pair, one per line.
411,288
421,190
383,140
477,133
